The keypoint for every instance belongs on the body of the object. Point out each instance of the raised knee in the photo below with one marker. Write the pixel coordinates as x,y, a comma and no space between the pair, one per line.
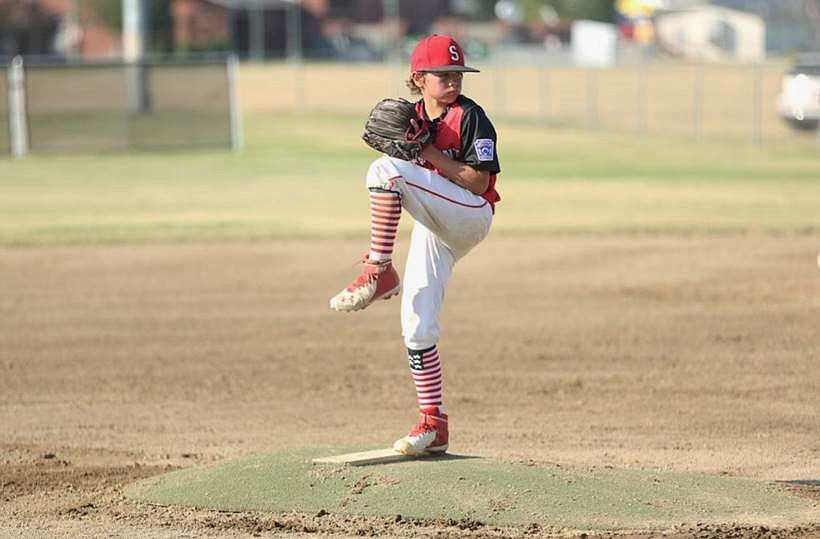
382,174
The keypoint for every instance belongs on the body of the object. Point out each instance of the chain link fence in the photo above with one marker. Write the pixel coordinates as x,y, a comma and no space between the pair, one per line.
696,101
693,100
87,107
92,107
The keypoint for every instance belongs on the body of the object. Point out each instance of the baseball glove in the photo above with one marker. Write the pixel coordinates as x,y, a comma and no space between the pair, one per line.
388,129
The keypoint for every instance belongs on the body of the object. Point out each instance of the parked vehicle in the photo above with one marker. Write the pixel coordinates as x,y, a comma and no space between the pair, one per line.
799,99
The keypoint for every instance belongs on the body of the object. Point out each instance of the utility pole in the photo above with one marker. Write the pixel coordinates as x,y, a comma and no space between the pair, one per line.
72,32
134,32
294,31
392,49
18,121
256,32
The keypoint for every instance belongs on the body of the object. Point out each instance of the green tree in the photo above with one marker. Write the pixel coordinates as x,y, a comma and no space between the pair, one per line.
596,10
160,20
26,28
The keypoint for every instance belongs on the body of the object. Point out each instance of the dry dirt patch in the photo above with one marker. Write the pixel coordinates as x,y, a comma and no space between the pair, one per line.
692,354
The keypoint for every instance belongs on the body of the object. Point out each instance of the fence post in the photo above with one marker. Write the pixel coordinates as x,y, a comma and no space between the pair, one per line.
757,104
18,121
641,96
234,105
697,105
499,95
543,93
592,97
817,138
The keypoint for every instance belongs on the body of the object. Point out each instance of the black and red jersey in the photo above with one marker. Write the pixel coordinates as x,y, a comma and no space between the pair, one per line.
464,133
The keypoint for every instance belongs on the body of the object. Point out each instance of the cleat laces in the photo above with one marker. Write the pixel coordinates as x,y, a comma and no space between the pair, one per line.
362,280
422,427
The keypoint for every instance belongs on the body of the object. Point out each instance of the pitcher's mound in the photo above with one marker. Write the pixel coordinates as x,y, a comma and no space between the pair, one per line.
462,487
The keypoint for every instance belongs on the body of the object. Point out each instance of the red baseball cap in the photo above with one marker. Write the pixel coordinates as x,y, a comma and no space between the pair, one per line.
437,53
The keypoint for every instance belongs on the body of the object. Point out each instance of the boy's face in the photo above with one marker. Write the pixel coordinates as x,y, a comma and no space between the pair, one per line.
444,87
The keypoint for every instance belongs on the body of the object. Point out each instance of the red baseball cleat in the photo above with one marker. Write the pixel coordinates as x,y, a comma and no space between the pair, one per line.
430,435
378,280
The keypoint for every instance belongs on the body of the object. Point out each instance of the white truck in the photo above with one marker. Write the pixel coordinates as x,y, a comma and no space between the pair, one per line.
799,99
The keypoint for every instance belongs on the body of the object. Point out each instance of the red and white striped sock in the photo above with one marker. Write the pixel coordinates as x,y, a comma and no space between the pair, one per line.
385,211
425,366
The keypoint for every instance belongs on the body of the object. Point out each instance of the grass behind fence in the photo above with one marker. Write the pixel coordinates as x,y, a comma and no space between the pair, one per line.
120,131
302,175
731,101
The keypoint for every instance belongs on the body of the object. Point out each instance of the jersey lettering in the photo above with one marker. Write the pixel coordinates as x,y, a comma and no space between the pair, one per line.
454,53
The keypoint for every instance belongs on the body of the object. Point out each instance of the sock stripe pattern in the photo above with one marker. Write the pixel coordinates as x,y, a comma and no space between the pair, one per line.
385,211
425,367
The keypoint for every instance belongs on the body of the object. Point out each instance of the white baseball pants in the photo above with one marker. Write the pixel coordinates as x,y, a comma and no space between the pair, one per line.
449,221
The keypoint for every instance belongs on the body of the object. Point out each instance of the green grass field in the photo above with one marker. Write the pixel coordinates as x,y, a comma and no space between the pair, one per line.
302,175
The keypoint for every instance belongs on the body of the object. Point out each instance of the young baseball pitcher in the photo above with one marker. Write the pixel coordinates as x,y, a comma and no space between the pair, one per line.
442,171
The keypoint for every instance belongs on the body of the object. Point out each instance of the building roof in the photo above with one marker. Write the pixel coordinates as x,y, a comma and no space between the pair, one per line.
251,4
245,4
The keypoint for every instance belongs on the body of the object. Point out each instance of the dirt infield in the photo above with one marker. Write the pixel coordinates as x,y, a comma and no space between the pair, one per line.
672,353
